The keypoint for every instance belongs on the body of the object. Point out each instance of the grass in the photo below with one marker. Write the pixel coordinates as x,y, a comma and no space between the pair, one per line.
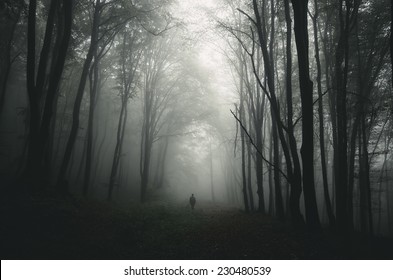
51,228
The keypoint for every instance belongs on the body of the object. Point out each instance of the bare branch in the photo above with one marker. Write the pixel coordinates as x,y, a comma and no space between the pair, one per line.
248,16
256,148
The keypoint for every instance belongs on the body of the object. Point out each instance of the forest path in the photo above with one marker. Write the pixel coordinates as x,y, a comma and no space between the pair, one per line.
58,229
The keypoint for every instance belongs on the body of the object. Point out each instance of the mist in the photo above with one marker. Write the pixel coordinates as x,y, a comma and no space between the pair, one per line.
273,115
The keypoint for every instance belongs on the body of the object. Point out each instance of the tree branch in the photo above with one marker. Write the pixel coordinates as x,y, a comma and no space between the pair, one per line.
256,148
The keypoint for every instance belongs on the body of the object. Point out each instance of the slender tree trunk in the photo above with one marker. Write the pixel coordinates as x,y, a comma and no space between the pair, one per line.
296,182
99,152
78,100
269,72
271,182
391,37
118,148
162,166
244,176
211,172
243,152
366,174
146,143
277,182
90,123
344,220
8,21
321,121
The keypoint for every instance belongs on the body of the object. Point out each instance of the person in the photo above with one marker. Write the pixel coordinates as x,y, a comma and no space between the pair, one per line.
192,201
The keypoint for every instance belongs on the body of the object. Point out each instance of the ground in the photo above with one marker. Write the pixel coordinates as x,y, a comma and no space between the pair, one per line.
53,228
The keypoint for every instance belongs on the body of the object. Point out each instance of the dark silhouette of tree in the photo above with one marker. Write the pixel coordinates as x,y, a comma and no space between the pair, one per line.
94,37
321,118
306,92
10,12
42,86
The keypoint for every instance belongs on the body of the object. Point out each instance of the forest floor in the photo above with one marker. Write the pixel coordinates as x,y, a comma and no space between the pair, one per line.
50,228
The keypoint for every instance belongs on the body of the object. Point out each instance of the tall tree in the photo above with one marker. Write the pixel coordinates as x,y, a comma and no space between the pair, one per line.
94,38
130,54
10,12
321,118
42,87
347,14
306,92
156,95
290,151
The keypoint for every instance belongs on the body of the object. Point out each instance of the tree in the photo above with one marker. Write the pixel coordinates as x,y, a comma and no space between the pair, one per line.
156,95
42,87
130,54
293,174
10,12
306,92
321,118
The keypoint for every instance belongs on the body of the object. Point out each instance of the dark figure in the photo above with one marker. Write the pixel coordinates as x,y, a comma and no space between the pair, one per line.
192,201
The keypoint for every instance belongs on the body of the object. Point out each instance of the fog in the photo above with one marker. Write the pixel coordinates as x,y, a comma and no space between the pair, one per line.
241,103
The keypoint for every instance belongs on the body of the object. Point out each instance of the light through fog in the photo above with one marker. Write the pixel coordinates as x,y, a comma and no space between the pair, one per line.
252,106
198,18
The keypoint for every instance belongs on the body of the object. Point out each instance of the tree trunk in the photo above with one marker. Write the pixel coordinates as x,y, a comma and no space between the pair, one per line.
211,173
41,117
391,37
243,151
78,100
341,177
271,182
162,165
90,123
296,182
118,148
146,143
365,191
9,17
321,121
306,92
269,73
277,183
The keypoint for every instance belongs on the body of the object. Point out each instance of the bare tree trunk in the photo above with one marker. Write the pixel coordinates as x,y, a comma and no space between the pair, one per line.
365,171
9,17
243,151
391,37
42,101
78,100
296,183
93,78
146,144
271,182
119,142
211,172
99,152
249,175
321,121
277,182
162,165
344,220
306,92
268,66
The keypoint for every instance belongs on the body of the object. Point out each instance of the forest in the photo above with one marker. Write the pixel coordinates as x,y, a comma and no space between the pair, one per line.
276,116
